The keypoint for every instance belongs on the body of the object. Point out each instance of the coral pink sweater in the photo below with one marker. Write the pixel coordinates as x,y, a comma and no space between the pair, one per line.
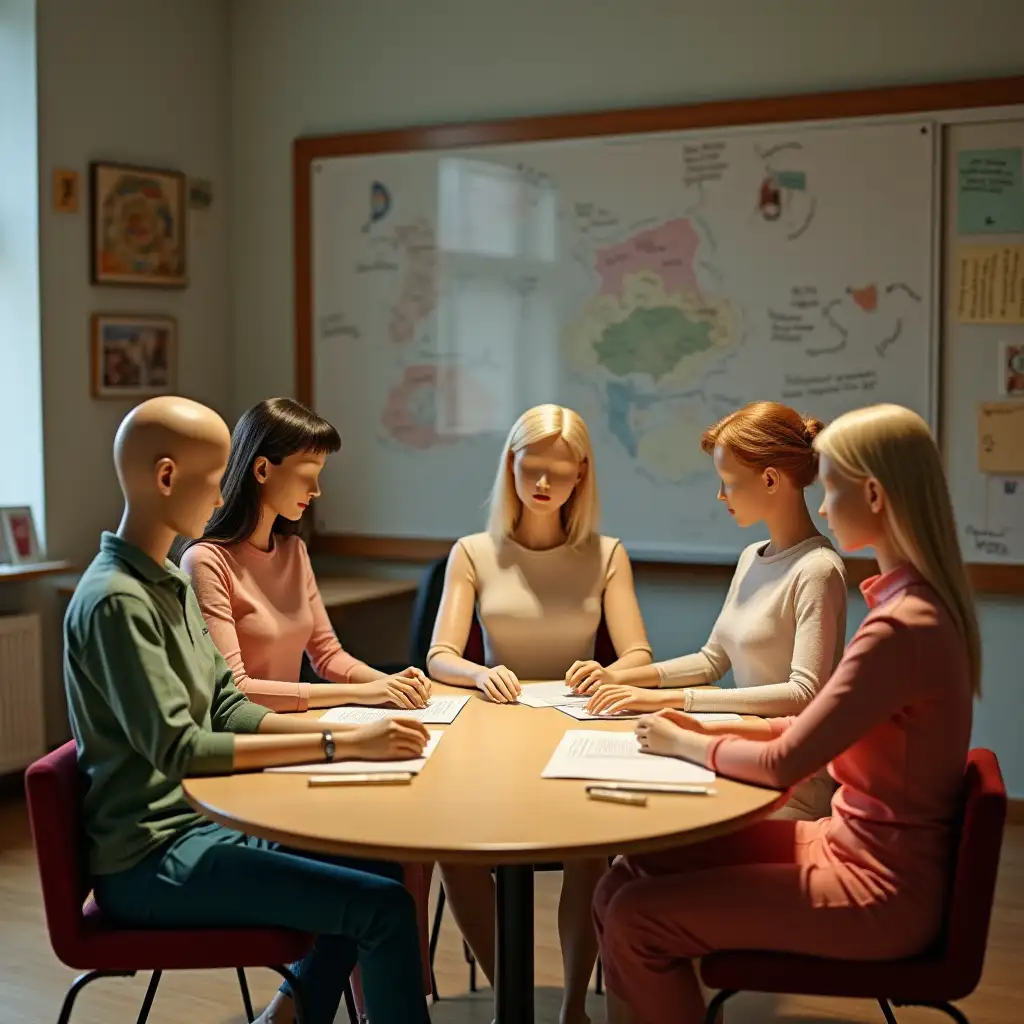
893,723
263,609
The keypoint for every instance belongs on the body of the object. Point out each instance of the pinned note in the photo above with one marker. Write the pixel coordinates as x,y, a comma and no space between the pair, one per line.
990,192
1004,504
990,284
1001,438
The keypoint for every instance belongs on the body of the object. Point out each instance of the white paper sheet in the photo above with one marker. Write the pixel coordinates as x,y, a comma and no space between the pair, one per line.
439,711
551,695
616,757
580,713
414,767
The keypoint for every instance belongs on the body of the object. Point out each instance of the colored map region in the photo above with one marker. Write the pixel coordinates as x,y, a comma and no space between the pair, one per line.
428,397
418,295
643,341
651,341
667,250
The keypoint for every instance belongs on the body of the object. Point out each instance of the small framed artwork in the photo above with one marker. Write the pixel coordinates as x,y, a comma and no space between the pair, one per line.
138,226
18,536
65,191
133,356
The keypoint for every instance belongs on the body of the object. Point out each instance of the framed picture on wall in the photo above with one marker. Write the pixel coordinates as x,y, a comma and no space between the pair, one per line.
138,226
133,356
18,543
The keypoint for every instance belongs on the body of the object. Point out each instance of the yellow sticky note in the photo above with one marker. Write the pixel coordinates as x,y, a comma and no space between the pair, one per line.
1001,438
990,284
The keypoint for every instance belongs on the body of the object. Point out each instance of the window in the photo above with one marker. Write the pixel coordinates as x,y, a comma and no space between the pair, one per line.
497,304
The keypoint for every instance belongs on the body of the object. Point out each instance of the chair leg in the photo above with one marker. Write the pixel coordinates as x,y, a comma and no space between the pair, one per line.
246,1001
435,936
79,983
350,1005
886,1008
147,1002
716,1004
296,990
947,1008
471,960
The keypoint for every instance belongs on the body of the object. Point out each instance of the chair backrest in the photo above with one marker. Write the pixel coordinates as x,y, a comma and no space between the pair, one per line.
965,935
424,612
54,789
428,600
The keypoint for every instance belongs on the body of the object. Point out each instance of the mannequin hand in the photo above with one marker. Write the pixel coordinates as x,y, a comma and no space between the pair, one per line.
665,732
587,676
499,684
423,683
398,690
684,721
392,739
608,699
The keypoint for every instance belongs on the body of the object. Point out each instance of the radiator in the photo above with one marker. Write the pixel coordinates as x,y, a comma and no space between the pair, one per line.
21,692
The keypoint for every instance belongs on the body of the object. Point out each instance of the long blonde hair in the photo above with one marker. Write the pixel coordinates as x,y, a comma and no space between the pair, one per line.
895,446
582,512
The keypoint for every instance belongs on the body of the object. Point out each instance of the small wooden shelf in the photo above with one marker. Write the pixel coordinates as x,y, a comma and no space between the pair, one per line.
33,571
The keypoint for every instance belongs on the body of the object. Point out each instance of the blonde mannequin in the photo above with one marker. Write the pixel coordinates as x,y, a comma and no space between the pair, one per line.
539,580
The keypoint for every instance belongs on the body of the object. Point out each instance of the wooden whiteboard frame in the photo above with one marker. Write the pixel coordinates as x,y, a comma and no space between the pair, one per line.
834,106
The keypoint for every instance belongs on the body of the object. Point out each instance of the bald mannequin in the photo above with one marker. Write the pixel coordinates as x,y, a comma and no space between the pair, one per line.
170,454
152,701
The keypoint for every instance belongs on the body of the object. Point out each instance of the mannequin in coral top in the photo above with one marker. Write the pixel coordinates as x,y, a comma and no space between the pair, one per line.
539,579
252,575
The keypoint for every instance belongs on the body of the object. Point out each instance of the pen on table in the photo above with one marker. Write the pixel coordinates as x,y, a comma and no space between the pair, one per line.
616,797
369,779
685,788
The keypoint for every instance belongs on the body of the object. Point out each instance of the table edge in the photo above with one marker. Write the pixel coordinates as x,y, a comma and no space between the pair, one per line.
525,854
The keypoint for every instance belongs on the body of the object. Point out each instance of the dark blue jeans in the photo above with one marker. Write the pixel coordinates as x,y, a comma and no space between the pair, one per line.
211,876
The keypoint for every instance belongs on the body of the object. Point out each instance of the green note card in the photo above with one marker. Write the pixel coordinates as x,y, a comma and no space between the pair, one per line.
990,193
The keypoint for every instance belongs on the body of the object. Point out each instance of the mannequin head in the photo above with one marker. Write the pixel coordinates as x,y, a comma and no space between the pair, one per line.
885,489
764,456
546,470
278,448
170,454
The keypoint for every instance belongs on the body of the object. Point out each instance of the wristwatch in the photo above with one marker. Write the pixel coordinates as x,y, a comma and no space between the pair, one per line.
328,747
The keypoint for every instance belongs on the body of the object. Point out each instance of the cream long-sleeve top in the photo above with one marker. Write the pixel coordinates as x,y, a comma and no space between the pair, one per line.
540,610
782,630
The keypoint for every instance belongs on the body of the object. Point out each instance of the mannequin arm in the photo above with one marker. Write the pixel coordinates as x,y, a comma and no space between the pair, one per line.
622,614
454,620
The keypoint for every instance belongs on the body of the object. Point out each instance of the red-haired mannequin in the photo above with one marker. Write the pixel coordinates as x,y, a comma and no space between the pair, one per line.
783,624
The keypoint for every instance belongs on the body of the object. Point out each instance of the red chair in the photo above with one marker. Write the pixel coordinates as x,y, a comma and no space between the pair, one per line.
949,970
84,940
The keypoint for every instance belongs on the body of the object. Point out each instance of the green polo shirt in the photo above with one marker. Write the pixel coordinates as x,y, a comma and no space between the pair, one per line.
150,698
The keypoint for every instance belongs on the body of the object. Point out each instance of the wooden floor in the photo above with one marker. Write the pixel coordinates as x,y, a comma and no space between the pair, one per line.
32,982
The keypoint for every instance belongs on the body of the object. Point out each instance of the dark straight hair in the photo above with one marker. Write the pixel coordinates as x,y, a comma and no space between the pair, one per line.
272,429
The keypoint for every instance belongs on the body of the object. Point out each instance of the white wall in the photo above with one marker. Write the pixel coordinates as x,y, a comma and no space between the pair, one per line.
21,395
141,81
136,81
320,66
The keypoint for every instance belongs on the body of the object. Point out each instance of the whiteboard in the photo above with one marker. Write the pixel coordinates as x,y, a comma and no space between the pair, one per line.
989,509
654,283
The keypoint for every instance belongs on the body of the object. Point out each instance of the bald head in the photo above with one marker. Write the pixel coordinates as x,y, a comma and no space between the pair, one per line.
170,454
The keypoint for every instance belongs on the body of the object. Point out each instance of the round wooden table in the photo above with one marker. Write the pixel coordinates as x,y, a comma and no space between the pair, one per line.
481,800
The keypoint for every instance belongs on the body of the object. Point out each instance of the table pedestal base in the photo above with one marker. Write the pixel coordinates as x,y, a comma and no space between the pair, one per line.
513,984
